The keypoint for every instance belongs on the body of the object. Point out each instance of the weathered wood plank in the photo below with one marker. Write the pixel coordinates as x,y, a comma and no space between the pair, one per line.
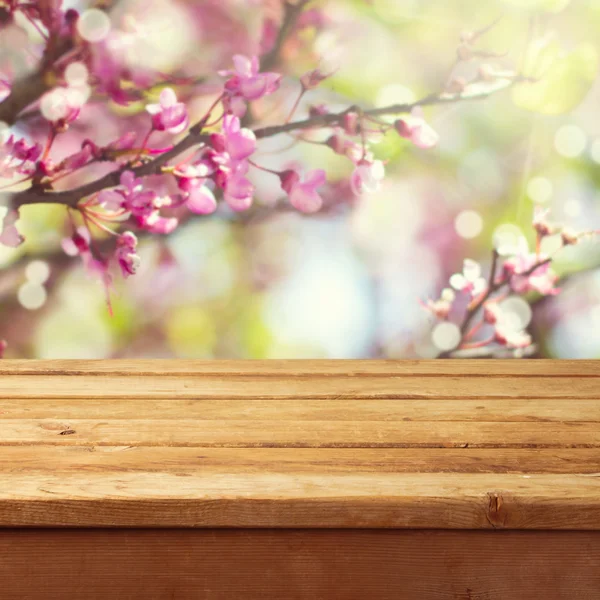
305,386
299,565
177,460
298,434
315,368
359,500
355,444
482,409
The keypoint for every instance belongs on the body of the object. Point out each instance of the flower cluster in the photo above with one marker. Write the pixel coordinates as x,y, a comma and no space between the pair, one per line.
177,158
17,157
482,313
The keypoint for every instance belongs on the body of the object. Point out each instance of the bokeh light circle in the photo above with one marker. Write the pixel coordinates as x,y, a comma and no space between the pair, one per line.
570,141
445,336
93,25
539,189
468,224
517,312
37,271
32,295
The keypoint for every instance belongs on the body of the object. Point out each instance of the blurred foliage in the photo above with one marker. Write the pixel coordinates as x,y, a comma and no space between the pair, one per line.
346,283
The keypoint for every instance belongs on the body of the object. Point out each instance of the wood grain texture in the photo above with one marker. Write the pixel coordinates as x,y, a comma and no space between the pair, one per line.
278,500
314,368
299,565
354,444
299,386
145,459
298,409
229,433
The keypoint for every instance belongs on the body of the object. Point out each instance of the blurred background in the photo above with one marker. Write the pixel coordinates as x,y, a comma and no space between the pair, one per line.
345,282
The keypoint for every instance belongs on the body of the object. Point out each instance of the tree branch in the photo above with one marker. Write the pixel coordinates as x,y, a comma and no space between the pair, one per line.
290,17
195,137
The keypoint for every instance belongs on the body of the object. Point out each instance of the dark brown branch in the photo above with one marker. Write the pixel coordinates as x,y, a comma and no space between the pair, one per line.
290,17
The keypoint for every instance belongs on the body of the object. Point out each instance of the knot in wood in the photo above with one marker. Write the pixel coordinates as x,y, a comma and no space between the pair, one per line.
496,513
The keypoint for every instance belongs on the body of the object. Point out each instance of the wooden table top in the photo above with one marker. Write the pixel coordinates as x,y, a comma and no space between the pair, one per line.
325,444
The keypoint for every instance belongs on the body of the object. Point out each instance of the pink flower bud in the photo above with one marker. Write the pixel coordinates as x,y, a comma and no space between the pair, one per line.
289,179
313,78
350,123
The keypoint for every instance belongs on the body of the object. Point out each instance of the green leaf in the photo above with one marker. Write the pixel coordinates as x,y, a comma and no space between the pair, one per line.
562,79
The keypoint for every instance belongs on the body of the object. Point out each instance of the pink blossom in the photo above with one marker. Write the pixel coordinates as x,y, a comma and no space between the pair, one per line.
415,129
17,157
238,190
168,115
367,176
125,253
78,243
237,141
525,277
10,236
506,336
441,308
3,347
132,198
505,332
470,280
303,194
26,152
155,223
199,197
246,81
79,159
231,149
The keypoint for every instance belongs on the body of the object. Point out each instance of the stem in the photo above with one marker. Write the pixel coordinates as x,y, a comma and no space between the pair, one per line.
278,173
143,145
296,103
